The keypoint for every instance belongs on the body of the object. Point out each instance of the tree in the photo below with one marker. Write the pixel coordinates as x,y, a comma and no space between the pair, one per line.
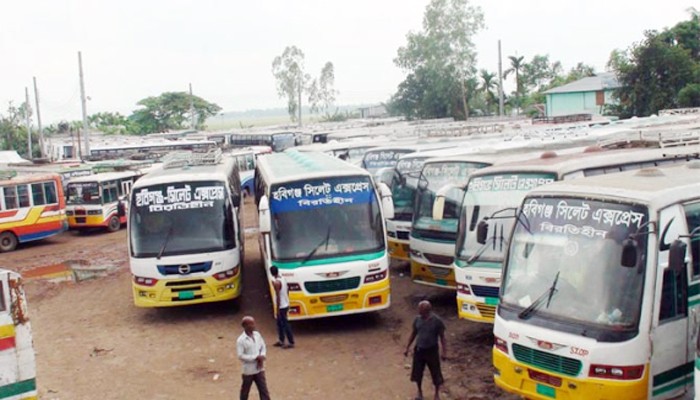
516,65
13,131
488,84
652,73
689,96
109,123
539,73
439,61
288,70
321,91
170,110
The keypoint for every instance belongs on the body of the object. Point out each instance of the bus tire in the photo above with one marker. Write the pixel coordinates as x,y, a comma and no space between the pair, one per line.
114,224
8,241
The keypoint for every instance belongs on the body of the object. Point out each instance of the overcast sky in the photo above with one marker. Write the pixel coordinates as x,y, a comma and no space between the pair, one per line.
137,48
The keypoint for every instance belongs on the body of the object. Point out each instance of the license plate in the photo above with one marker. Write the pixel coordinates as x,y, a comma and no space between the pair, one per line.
441,282
546,391
80,220
492,301
334,307
186,295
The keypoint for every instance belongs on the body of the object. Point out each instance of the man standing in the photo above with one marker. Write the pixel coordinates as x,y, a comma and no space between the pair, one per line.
427,328
251,352
281,309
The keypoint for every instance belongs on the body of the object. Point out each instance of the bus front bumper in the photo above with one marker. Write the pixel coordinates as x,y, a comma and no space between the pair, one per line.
475,311
433,275
92,221
180,292
368,297
515,377
399,249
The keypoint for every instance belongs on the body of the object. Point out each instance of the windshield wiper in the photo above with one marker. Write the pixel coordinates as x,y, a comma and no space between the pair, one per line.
312,252
165,242
524,314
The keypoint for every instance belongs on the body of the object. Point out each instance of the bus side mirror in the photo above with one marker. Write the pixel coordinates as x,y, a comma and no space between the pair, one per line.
676,255
264,221
387,202
629,257
482,232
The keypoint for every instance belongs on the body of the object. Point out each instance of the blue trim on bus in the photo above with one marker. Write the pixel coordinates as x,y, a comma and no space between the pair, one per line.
39,235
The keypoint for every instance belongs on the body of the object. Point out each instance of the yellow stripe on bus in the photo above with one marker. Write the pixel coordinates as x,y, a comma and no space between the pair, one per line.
7,331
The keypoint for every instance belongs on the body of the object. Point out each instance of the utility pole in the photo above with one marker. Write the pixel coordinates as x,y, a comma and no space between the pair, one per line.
300,80
192,122
86,136
38,118
500,81
28,122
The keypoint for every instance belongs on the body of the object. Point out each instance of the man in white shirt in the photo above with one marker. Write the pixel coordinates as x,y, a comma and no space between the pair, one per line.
251,351
282,308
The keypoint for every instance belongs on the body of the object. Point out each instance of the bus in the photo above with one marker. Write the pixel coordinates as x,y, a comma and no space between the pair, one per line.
350,151
100,200
601,288
17,362
32,207
493,194
149,149
185,233
322,225
245,161
278,141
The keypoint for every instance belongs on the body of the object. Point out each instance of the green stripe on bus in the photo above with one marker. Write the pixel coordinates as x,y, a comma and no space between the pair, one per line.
695,302
13,389
697,363
675,385
673,374
326,261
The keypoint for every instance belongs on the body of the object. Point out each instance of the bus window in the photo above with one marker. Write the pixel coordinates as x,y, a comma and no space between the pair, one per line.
50,191
38,194
11,197
109,192
23,195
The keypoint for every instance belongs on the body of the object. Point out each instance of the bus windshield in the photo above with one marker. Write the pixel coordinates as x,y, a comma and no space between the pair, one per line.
325,218
403,187
83,193
181,218
374,160
496,195
570,250
434,177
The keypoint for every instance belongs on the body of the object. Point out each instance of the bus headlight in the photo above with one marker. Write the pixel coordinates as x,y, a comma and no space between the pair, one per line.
69,213
375,277
139,280
616,372
500,344
94,212
230,273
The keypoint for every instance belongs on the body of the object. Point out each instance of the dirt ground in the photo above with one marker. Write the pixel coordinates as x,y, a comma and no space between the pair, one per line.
91,342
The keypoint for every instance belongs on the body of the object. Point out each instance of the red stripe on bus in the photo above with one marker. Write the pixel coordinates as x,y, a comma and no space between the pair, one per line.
7,343
7,214
29,229
52,207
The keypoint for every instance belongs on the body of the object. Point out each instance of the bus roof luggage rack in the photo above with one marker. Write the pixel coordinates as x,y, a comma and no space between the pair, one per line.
181,159
680,139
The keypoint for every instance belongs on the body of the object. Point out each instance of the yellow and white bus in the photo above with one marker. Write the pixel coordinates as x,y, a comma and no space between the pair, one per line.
492,198
322,225
601,288
99,201
185,234
17,364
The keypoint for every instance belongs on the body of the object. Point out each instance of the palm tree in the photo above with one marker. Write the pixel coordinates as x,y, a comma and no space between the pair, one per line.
516,64
487,85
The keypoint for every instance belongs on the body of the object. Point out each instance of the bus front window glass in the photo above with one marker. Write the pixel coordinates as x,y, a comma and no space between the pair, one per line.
83,193
38,194
692,216
325,218
185,218
23,195
493,195
574,246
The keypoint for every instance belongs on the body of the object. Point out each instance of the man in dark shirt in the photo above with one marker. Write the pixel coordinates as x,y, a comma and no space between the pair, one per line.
427,328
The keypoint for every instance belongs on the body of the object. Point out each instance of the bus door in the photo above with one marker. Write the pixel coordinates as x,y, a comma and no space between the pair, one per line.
17,366
671,361
126,186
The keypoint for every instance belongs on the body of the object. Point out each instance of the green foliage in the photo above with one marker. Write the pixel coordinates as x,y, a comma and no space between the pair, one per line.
288,70
440,61
689,96
170,110
653,73
110,123
13,131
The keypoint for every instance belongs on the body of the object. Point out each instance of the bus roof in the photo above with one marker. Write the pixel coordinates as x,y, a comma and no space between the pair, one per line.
154,143
105,176
26,178
293,165
207,172
657,187
581,161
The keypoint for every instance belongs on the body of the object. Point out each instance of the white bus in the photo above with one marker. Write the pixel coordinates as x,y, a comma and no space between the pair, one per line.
493,194
322,225
278,141
601,288
185,234
100,200
17,363
351,151
149,149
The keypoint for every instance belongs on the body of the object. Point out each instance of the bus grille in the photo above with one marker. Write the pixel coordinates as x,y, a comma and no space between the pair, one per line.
438,259
486,310
175,268
188,282
485,291
334,285
547,361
